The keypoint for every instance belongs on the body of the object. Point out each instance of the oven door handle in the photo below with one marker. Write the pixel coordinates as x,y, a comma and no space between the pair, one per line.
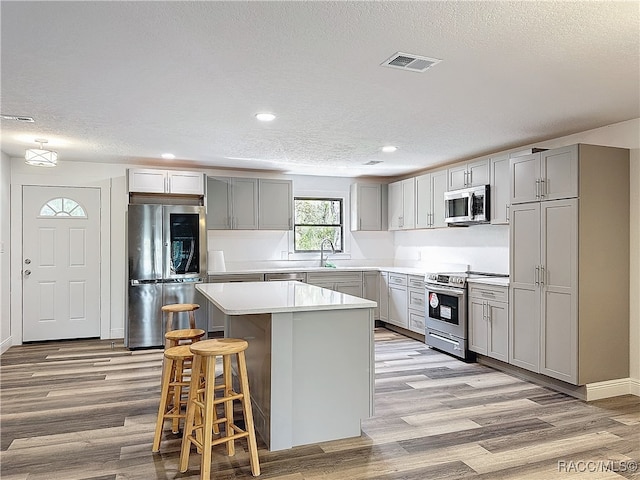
445,290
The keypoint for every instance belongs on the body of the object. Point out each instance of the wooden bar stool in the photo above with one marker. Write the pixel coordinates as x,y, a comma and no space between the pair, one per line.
175,384
202,419
178,308
179,336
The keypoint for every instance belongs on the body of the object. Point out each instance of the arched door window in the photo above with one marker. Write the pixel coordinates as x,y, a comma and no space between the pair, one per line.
62,207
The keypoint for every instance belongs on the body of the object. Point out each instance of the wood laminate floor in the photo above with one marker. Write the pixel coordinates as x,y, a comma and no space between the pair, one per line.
84,410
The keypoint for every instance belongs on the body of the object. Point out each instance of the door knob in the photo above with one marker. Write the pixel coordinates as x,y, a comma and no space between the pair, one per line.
27,261
27,273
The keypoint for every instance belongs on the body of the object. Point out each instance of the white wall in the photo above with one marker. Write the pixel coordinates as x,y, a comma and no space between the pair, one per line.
5,252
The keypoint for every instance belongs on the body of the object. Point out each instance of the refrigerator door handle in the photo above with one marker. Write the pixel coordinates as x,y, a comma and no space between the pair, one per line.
144,282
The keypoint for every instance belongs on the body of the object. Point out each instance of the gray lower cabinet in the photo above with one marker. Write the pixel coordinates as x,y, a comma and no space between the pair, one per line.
384,296
343,282
398,305
489,320
371,290
215,316
415,299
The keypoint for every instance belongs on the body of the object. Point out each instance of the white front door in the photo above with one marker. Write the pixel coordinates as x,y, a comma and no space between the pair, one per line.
60,262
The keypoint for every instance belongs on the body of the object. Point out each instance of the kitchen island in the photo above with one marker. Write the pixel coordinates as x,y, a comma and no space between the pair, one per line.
310,357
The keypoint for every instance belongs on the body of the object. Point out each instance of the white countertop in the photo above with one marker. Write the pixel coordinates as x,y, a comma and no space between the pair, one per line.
243,298
407,270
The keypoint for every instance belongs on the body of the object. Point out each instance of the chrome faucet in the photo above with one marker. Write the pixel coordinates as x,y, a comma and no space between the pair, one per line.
323,261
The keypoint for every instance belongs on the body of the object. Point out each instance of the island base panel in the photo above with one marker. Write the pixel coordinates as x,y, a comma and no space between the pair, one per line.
311,373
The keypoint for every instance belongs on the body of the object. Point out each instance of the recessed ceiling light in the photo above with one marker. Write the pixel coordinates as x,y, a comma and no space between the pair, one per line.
168,156
389,149
265,117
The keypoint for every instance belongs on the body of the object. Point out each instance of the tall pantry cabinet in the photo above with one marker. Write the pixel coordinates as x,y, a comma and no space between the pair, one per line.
569,263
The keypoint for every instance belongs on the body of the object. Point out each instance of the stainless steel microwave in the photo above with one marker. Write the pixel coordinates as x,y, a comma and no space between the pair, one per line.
467,206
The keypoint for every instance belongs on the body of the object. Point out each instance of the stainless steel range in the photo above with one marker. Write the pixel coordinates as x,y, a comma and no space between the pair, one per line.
446,312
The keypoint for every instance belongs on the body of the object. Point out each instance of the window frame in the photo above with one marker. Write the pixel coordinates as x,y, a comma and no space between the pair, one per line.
340,200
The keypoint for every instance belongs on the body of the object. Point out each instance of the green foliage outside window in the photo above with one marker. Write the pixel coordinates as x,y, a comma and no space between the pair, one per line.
315,220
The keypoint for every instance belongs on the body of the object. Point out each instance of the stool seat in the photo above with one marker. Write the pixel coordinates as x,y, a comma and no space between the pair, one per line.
219,346
180,352
180,307
174,337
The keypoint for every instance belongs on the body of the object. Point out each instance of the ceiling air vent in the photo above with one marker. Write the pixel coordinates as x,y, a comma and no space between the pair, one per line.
407,61
19,118
373,162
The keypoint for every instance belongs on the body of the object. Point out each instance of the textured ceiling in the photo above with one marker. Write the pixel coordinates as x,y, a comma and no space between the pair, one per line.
126,81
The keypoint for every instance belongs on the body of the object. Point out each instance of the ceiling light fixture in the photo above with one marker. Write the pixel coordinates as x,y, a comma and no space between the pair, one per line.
389,149
39,157
168,156
265,117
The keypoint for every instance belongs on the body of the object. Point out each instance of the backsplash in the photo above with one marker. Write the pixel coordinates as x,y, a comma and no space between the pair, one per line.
483,247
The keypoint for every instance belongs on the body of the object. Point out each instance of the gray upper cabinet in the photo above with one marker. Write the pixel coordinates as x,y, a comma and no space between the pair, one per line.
275,200
430,189
402,209
218,203
548,175
232,203
368,206
470,174
249,204
500,190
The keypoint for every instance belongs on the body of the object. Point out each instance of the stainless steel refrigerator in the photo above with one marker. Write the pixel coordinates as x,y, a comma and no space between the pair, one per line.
167,249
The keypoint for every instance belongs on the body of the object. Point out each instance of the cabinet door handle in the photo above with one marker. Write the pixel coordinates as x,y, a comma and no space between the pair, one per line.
542,275
488,312
537,188
543,188
506,207
469,178
537,275
484,310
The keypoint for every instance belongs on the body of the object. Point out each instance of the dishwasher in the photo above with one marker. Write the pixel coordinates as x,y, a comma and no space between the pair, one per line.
271,277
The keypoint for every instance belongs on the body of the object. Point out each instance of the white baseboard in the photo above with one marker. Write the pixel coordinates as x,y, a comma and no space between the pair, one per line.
117,333
612,388
634,386
4,346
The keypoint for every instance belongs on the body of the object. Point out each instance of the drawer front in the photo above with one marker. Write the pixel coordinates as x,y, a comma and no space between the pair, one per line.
416,298
416,282
416,323
397,279
336,277
489,292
